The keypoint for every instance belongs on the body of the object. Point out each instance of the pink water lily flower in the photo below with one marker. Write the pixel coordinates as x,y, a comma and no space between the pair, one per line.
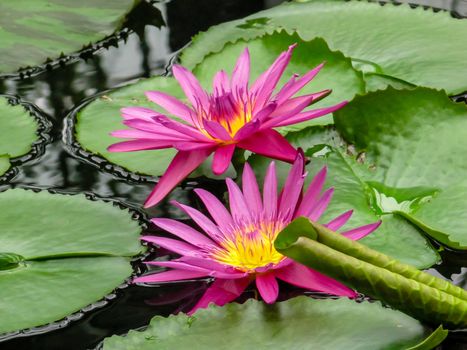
233,115
237,246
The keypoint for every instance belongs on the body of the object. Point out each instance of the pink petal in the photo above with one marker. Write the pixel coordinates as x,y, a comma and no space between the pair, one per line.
268,287
340,221
220,84
270,192
180,167
193,145
291,89
173,245
221,292
181,128
171,105
215,208
211,264
271,144
202,221
265,84
247,130
222,158
139,145
216,130
238,206
188,267
169,276
137,113
241,73
251,191
183,231
292,188
362,231
155,128
304,116
312,193
304,277
321,205
190,86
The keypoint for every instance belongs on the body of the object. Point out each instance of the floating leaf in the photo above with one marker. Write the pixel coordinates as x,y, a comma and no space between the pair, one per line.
415,143
401,286
337,74
18,129
32,31
388,39
59,245
395,237
299,323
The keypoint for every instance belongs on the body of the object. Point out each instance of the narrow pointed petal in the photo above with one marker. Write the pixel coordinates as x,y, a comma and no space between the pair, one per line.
171,105
216,130
188,267
293,187
202,221
137,134
221,292
210,264
215,208
270,192
265,112
173,245
238,206
241,72
222,158
291,89
321,205
138,113
311,195
264,86
191,86
251,191
271,144
180,167
340,221
220,83
155,128
193,145
183,231
139,145
169,276
181,128
304,116
304,277
268,287
362,231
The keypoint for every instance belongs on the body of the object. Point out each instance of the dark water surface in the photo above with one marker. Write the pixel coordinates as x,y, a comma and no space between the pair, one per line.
154,36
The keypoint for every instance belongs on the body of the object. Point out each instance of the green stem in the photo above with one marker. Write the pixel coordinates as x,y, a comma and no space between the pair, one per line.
238,161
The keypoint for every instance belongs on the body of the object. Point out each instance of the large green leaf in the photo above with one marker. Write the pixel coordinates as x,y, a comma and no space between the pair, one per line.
18,129
32,31
58,254
415,144
299,323
337,73
390,40
395,237
379,276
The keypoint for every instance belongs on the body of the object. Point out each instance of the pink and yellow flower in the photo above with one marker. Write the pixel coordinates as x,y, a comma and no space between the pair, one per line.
237,246
233,115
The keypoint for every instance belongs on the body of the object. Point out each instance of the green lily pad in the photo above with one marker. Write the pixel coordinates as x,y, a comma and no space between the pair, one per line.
299,323
415,143
388,39
33,31
337,74
4,164
62,245
18,129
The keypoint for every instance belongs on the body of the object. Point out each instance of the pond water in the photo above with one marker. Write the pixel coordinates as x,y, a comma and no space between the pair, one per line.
147,49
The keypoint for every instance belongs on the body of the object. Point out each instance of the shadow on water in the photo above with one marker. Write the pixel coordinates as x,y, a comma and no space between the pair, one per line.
145,50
